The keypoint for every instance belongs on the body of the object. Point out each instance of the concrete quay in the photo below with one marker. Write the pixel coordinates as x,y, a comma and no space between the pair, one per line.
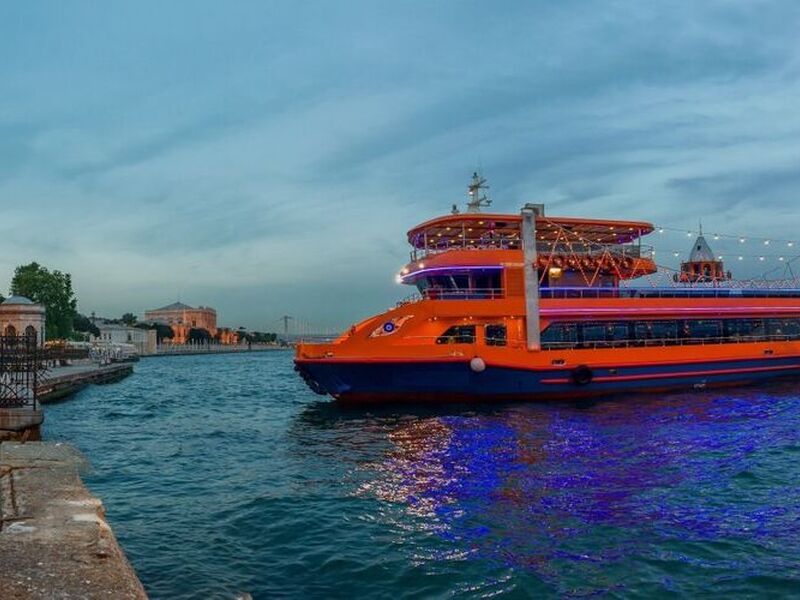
54,540
63,381
24,423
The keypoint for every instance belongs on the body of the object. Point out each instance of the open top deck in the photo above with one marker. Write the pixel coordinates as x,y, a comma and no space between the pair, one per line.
478,228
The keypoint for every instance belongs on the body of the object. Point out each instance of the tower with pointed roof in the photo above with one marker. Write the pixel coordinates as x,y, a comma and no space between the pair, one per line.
703,265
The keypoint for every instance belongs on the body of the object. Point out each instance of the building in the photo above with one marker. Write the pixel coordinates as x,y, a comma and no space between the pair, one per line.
182,318
703,265
21,316
118,334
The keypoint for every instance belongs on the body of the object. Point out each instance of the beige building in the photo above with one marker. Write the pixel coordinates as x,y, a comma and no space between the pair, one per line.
116,334
182,317
21,316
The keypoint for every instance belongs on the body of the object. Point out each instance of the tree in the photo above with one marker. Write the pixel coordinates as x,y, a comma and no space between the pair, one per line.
163,331
129,319
53,290
83,324
198,336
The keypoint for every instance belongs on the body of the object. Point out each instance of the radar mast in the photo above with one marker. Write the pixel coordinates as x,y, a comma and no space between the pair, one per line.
475,200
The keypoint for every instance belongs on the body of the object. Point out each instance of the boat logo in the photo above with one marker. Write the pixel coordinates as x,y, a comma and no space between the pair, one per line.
390,326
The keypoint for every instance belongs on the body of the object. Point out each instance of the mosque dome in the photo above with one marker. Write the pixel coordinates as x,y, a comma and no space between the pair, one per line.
12,300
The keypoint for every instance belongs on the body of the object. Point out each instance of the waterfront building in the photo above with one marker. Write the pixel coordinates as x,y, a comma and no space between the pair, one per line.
118,334
21,316
182,318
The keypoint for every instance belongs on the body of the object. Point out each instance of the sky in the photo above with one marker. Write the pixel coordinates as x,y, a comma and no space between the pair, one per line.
267,158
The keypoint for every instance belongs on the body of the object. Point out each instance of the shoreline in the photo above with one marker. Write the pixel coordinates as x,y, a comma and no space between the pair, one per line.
55,541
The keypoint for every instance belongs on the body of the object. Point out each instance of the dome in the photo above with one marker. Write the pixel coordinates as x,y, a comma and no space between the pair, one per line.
17,300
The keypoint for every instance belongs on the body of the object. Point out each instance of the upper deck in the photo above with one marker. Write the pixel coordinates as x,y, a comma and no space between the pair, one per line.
585,251
491,231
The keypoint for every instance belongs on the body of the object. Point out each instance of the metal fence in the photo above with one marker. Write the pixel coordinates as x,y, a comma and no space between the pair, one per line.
22,367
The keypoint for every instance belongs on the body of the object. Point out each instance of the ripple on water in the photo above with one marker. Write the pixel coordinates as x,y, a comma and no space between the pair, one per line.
224,473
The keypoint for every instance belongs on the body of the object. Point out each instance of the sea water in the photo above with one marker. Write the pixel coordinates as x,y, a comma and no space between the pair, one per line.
224,474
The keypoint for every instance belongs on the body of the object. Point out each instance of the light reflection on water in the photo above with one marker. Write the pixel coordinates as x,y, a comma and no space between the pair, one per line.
238,478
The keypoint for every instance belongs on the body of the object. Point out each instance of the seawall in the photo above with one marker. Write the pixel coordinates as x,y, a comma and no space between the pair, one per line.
54,539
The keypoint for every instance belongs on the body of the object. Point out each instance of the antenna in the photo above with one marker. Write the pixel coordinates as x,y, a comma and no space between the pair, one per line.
475,201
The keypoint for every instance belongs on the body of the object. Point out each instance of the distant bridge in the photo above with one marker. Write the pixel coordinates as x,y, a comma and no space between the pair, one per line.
293,329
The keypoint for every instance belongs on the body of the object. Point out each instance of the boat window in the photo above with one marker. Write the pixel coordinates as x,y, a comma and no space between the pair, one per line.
705,328
458,334
495,335
667,332
560,333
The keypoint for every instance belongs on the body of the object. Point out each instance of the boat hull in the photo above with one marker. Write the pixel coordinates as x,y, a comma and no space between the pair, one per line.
378,381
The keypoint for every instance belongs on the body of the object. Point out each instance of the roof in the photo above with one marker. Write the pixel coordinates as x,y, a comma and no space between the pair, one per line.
475,227
18,300
701,251
173,306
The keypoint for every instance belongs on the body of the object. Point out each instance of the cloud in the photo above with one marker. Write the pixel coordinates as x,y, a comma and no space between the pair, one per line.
264,156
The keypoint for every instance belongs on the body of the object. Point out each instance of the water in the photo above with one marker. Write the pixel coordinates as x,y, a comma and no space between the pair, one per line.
224,474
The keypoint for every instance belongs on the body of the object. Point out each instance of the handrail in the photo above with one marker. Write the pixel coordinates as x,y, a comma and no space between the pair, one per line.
639,343
542,248
669,292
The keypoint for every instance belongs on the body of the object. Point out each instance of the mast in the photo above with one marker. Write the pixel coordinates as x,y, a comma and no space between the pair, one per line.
529,213
475,200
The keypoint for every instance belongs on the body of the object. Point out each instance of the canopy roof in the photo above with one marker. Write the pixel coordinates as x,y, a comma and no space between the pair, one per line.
477,227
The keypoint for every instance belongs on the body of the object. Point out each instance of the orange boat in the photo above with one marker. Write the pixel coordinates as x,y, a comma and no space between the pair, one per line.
532,307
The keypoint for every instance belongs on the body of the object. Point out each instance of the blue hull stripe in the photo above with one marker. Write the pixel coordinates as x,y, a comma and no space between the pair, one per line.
429,380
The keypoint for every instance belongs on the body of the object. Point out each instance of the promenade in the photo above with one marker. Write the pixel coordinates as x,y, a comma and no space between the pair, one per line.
54,538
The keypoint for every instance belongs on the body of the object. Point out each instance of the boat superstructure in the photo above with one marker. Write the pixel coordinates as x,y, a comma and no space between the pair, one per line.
528,306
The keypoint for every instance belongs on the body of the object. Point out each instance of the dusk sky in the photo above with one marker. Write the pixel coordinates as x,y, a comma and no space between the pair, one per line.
267,158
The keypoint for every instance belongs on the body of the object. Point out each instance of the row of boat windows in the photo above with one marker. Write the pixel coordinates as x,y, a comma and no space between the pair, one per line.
611,333
495,335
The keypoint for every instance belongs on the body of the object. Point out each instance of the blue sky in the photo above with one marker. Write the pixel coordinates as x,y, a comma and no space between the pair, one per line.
266,158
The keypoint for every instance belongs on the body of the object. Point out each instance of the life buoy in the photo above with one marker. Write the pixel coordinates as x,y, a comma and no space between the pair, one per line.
581,375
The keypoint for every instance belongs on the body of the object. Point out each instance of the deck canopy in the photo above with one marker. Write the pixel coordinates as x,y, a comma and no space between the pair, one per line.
477,229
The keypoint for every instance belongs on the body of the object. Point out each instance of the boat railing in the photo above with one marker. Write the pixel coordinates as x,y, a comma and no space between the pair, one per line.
570,293
668,292
580,250
454,294
601,345
669,341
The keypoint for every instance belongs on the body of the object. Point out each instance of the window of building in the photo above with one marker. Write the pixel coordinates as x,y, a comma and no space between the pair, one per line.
458,334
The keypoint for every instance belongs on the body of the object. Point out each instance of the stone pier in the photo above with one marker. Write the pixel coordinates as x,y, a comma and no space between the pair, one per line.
54,539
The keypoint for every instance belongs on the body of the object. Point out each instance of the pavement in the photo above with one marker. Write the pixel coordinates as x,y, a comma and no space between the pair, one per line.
54,540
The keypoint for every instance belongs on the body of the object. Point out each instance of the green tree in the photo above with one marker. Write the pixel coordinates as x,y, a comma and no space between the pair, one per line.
83,324
54,290
198,335
163,332
129,319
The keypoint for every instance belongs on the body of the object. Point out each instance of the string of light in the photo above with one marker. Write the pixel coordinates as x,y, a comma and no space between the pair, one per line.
784,261
742,239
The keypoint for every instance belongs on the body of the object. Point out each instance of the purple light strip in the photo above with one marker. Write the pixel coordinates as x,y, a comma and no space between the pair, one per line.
451,268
